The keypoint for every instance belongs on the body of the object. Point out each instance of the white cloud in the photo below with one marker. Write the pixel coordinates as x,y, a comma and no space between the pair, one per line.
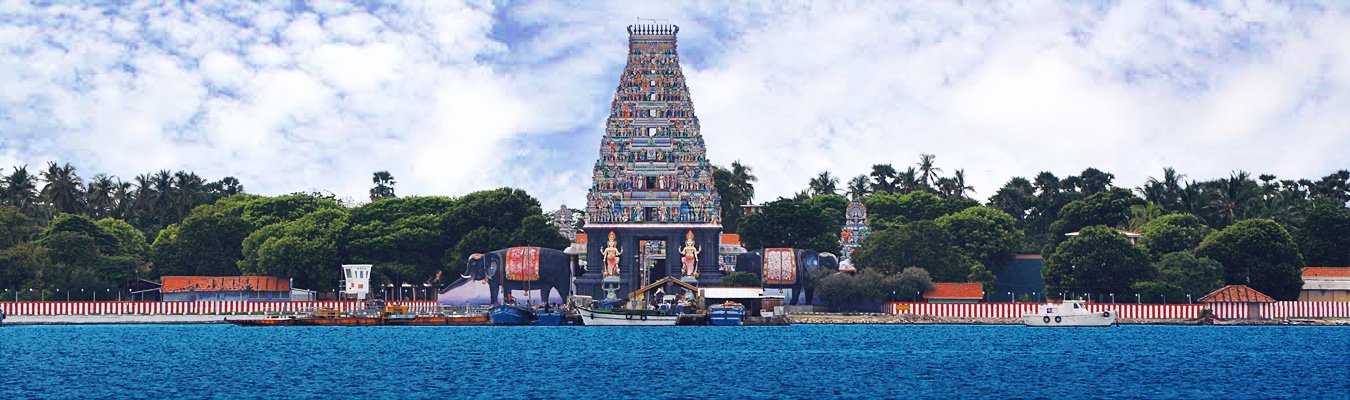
455,97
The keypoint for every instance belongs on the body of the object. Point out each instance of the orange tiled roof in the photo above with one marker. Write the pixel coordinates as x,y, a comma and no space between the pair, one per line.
961,291
731,238
1236,294
1327,272
175,284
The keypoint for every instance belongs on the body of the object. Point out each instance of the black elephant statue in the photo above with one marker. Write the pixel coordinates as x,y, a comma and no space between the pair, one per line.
788,269
553,272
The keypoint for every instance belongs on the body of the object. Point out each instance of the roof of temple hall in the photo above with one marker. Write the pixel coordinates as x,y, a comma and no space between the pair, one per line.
1236,294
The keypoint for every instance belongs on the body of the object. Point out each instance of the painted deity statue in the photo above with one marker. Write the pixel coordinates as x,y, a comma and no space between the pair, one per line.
612,253
690,253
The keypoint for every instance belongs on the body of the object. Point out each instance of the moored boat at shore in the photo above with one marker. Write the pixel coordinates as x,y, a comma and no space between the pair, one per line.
511,314
625,317
728,313
1068,313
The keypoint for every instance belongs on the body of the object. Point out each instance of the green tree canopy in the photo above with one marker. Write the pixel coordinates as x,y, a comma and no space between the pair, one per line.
807,224
1107,208
1194,275
742,279
76,223
1258,253
21,265
922,244
130,241
307,250
16,227
264,211
1098,260
988,236
908,285
1172,233
912,206
1325,237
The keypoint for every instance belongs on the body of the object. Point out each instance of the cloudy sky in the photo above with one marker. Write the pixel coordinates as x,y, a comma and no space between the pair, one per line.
452,98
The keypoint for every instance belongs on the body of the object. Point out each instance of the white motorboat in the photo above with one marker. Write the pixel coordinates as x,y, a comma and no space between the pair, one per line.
622,317
1069,313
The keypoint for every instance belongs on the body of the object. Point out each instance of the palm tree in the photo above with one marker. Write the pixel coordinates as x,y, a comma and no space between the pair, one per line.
1047,184
908,181
1015,198
959,179
1142,214
63,189
857,187
188,190
824,183
883,178
1234,197
21,189
99,196
384,186
161,199
1094,180
123,202
229,186
1165,192
928,172
743,178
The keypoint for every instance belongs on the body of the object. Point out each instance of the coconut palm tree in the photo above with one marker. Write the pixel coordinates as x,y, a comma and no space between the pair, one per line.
161,199
857,187
928,171
824,183
384,186
99,196
908,181
64,189
883,178
21,189
123,201
959,180
1234,197
188,191
743,178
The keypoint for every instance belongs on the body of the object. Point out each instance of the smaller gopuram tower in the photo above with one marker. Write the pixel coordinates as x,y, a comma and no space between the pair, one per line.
854,232
652,210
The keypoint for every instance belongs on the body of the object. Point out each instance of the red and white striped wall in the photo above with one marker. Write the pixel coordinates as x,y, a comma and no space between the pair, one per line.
1283,309
198,308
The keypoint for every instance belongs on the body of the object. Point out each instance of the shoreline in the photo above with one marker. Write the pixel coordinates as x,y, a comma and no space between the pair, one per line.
911,319
794,319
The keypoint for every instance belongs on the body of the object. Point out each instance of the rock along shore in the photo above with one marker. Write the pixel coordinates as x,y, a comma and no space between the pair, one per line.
927,319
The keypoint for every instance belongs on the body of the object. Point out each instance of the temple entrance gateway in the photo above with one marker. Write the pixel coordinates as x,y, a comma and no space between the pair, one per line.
652,189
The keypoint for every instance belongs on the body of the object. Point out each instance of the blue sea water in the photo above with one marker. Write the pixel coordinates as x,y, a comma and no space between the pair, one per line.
802,361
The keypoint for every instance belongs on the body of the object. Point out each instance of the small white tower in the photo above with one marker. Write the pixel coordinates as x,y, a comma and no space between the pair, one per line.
356,280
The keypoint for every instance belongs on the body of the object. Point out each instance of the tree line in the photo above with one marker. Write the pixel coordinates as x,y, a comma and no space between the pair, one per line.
50,242
1196,236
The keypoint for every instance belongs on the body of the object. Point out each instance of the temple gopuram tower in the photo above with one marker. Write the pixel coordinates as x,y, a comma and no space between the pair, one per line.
652,190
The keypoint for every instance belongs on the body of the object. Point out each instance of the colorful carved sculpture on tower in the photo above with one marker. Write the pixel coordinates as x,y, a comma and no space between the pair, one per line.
854,232
652,166
612,254
690,256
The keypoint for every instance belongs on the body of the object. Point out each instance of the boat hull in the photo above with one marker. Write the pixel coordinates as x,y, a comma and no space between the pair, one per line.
510,315
1097,320
602,318
366,321
726,315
